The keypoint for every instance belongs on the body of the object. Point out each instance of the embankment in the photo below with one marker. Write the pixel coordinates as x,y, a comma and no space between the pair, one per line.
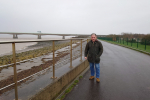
54,89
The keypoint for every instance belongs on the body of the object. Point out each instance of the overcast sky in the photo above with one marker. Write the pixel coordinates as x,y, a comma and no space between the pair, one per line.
75,16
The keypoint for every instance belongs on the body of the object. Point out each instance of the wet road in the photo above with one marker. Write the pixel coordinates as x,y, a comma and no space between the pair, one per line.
125,75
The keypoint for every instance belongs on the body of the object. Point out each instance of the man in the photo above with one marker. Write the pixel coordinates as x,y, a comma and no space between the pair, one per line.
94,50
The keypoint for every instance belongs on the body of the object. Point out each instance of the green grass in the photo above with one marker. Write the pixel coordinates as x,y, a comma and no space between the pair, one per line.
80,77
133,45
76,81
68,89
63,96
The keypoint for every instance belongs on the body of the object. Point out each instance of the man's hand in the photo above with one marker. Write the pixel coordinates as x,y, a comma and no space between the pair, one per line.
85,57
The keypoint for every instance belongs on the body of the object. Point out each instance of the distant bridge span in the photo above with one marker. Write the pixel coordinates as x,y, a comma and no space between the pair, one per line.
15,34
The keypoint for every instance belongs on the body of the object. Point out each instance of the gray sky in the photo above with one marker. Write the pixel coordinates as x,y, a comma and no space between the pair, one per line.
75,16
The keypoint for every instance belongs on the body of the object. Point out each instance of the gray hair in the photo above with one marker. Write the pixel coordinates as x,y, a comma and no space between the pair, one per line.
93,34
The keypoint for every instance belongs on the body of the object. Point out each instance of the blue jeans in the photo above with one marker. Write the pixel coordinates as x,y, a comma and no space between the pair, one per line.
97,67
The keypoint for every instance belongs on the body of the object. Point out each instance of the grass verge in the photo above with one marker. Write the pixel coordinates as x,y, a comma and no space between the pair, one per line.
140,48
70,88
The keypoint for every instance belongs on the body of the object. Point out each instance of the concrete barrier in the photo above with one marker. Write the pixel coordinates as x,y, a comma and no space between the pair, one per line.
54,89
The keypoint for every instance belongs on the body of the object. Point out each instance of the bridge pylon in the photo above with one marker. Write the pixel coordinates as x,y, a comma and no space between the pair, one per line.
39,36
15,36
63,37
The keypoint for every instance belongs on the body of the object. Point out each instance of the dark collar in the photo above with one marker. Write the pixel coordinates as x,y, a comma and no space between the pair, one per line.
95,41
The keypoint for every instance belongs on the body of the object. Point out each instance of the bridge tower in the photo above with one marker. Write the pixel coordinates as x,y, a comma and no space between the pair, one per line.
63,37
39,36
15,36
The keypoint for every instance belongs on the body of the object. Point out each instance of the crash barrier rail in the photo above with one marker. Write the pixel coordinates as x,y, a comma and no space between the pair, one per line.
137,43
52,49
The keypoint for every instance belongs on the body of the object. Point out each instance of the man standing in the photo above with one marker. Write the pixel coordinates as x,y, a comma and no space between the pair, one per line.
94,50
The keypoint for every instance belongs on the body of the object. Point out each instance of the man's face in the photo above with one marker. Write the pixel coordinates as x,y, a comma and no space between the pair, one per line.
93,38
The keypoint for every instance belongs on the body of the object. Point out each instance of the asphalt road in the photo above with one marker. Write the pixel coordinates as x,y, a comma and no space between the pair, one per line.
124,75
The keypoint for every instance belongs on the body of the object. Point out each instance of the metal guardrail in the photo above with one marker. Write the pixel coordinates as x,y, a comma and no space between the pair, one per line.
53,46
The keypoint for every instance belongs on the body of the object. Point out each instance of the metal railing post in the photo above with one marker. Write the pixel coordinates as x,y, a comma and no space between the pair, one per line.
137,42
145,44
81,50
53,60
120,40
70,53
131,42
15,72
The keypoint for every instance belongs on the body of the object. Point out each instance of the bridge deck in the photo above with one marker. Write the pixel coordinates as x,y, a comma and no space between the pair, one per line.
124,76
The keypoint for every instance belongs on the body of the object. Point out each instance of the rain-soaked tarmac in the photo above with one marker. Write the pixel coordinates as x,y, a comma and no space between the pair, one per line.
125,75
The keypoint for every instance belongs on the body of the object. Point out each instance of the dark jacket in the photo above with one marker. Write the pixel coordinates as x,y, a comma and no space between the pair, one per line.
93,50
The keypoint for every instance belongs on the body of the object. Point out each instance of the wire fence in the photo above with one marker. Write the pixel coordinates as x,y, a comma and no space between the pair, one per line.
20,65
139,44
